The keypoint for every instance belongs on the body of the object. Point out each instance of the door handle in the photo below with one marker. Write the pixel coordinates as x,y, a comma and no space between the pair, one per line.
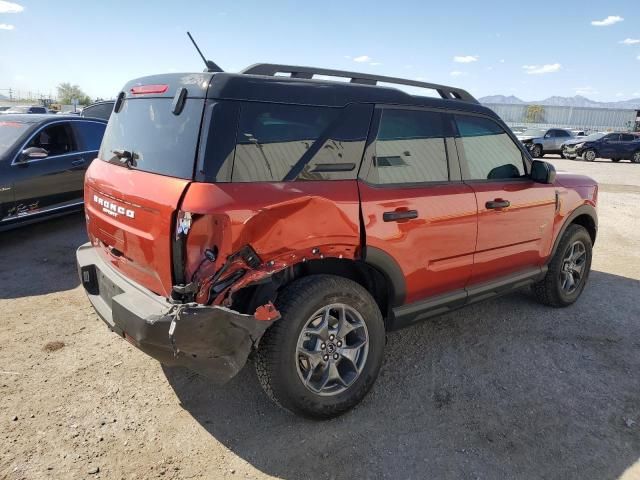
399,215
497,203
77,162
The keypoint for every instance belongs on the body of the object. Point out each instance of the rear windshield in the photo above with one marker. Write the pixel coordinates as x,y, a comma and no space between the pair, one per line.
159,141
10,131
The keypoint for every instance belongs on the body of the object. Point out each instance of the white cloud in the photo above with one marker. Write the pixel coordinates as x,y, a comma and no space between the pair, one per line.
630,41
610,20
5,26
375,64
10,7
502,60
465,58
619,94
362,59
540,69
635,94
457,73
584,91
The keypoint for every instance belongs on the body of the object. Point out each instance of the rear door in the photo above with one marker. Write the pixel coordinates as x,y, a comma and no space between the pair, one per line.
132,191
609,146
415,207
48,183
515,214
628,145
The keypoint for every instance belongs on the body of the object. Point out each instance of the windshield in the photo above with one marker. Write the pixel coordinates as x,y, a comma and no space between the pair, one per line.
152,137
10,131
593,137
533,132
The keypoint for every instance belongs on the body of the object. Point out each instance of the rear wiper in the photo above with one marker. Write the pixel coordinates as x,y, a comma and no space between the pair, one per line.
125,157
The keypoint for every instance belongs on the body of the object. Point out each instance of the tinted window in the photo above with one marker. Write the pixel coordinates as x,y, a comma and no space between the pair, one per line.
273,138
101,110
612,137
626,137
159,141
57,139
89,135
37,110
489,151
410,148
10,131
562,134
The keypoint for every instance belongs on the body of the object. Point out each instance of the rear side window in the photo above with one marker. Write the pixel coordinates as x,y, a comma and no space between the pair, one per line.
281,142
489,152
626,137
159,141
101,110
56,139
409,148
89,135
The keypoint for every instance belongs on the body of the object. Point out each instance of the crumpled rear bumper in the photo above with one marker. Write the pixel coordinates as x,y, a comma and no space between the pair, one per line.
211,340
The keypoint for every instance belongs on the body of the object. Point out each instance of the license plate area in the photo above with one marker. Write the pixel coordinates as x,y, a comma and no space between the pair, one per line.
107,289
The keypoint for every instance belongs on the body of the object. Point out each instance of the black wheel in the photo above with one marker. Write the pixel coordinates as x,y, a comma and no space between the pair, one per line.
616,160
568,270
322,357
636,157
589,155
536,151
562,155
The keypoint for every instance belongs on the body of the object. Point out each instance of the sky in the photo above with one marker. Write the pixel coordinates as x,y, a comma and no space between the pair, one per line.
532,49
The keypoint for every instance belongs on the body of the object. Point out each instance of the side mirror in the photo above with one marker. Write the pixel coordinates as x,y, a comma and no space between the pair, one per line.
542,172
547,135
33,153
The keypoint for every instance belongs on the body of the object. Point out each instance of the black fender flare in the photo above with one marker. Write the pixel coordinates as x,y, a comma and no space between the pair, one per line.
584,209
386,264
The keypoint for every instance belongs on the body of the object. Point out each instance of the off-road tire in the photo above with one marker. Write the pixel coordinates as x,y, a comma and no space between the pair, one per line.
549,290
276,363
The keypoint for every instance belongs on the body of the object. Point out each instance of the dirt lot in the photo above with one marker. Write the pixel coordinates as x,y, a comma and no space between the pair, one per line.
506,389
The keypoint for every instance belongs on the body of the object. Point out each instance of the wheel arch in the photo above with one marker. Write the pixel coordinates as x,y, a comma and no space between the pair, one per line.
585,216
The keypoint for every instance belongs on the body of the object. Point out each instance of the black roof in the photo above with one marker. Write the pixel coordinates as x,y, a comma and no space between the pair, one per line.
295,90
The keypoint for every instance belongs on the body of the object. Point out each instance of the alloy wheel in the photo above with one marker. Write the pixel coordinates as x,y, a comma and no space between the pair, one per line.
573,267
332,349
636,157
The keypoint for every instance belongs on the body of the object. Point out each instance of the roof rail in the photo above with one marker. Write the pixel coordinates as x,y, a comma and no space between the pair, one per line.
271,69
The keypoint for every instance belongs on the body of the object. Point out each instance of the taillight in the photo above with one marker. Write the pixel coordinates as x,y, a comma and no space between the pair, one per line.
146,89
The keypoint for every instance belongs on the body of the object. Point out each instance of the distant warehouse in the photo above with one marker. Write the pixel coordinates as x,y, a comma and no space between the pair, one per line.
583,118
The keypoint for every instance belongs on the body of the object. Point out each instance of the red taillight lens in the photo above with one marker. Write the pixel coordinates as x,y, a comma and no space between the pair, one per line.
144,89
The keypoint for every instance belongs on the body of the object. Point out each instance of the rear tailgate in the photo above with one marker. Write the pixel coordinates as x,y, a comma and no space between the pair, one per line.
130,221
146,161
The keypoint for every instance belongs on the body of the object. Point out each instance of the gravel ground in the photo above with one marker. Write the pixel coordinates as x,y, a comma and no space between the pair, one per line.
504,389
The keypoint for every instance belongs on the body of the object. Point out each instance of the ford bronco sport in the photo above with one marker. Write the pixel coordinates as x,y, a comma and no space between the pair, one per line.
298,219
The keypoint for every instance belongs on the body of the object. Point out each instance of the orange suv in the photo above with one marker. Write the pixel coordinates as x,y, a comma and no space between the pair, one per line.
295,219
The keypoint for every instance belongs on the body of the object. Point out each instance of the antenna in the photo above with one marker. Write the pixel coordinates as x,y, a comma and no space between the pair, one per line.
211,66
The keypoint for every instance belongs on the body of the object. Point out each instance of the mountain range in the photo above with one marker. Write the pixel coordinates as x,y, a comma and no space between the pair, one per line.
576,101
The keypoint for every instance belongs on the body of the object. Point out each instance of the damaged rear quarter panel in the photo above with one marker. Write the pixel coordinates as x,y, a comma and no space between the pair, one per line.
283,222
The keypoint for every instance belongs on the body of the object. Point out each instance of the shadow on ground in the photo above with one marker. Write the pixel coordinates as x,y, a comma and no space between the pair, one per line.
504,389
40,258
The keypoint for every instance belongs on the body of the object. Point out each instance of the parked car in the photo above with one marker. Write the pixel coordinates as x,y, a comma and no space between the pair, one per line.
20,109
540,141
43,159
569,147
99,110
579,133
4,108
301,219
616,146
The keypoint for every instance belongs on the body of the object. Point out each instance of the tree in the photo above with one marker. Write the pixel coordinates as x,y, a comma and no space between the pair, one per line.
67,92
